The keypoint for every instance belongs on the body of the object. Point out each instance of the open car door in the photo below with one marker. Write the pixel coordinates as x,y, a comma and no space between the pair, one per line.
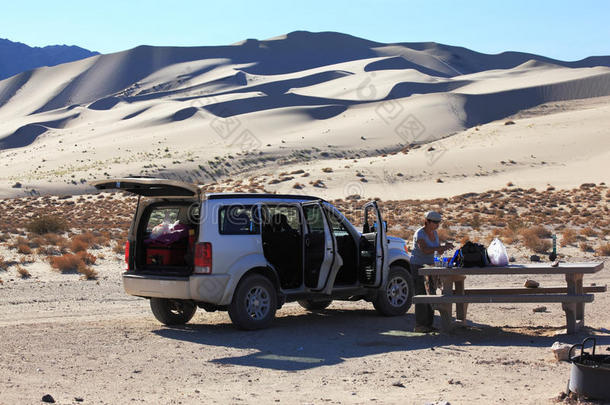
374,253
149,187
321,260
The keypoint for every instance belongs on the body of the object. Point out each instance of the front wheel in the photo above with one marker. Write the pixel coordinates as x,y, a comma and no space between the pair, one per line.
396,295
254,303
172,312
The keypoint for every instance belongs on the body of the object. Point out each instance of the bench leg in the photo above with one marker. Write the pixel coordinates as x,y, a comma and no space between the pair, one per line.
460,309
445,310
575,287
570,310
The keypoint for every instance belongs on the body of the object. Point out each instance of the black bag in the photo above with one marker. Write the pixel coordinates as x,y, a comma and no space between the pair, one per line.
472,255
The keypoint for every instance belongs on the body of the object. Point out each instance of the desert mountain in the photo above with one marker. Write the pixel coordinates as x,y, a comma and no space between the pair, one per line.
207,113
16,57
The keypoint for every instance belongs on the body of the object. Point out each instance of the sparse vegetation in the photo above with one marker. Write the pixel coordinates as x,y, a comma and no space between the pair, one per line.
568,237
604,249
23,272
47,224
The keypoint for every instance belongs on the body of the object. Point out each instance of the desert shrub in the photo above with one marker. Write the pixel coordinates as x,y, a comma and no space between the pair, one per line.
327,169
588,231
568,237
78,245
604,249
47,224
3,263
23,272
87,258
24,249
585,247
119,248
4,237
66,263
532,240
53,239
87,272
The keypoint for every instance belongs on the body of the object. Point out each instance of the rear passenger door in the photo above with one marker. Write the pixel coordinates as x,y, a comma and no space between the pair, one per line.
374,233
320,256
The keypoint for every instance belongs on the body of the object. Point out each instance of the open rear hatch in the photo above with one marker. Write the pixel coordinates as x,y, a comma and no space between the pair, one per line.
149,187
162,240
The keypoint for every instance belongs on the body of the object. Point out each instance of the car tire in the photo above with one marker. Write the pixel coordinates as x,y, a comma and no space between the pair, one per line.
312,305
172,312
254,303
396,295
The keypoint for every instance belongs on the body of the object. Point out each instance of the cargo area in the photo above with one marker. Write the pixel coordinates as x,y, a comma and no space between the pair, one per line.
166,236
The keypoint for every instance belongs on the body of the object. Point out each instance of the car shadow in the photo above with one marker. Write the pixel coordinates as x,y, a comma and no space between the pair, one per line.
310,340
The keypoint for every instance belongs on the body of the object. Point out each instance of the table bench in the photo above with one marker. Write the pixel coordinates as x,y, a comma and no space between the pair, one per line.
573,297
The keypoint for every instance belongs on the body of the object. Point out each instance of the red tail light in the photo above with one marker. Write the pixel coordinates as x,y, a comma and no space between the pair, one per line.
127,254
203,258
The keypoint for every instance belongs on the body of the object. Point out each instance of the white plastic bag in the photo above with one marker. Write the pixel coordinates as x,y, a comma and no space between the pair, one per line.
497,253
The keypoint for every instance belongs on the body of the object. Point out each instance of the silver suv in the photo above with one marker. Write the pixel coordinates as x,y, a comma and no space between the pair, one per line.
251,253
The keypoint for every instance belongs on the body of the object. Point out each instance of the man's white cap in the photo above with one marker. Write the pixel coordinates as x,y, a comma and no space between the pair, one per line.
433,216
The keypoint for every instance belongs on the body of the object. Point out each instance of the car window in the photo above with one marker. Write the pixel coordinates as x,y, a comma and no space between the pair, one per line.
314,218
160,215
238,220
336,225
282,218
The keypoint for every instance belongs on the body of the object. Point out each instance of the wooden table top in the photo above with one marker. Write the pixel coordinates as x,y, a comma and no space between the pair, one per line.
530,268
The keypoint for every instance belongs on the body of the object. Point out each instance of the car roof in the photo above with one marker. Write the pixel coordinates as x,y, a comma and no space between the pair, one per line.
261,196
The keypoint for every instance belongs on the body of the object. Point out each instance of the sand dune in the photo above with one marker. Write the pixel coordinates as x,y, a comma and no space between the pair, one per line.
302,98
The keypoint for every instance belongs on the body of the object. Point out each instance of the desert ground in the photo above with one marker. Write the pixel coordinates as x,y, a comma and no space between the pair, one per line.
73,333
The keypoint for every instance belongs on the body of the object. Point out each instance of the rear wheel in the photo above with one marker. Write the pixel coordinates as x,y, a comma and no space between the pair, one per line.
396,295
254,303
312,305
172,312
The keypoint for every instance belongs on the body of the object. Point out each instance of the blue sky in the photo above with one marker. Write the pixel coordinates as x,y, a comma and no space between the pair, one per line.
559,29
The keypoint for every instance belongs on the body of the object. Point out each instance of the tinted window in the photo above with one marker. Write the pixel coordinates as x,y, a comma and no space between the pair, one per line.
238,220
282,218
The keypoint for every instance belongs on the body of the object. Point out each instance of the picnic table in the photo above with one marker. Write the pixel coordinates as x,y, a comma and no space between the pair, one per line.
572,297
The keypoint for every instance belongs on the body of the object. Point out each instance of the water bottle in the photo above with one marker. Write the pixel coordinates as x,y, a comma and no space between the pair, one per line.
437,260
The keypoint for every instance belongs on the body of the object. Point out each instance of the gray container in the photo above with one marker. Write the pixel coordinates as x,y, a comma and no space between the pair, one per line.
590,373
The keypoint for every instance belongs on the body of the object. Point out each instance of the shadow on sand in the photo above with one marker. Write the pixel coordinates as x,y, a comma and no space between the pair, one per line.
310,340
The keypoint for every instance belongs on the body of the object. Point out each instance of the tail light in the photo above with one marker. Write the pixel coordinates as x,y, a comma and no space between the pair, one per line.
406,245
127,254
203,258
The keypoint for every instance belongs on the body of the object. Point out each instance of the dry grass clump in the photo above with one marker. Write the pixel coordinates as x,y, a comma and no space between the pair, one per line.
604,250
568,237
70,263
119,248
585,247
3,263
24,249
531,238
87,273
23,272
53,239
47,224
66,263
588,232
78,245
87,258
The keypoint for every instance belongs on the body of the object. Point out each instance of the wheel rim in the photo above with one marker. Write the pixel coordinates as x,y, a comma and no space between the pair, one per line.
397,292
176,308
258,303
